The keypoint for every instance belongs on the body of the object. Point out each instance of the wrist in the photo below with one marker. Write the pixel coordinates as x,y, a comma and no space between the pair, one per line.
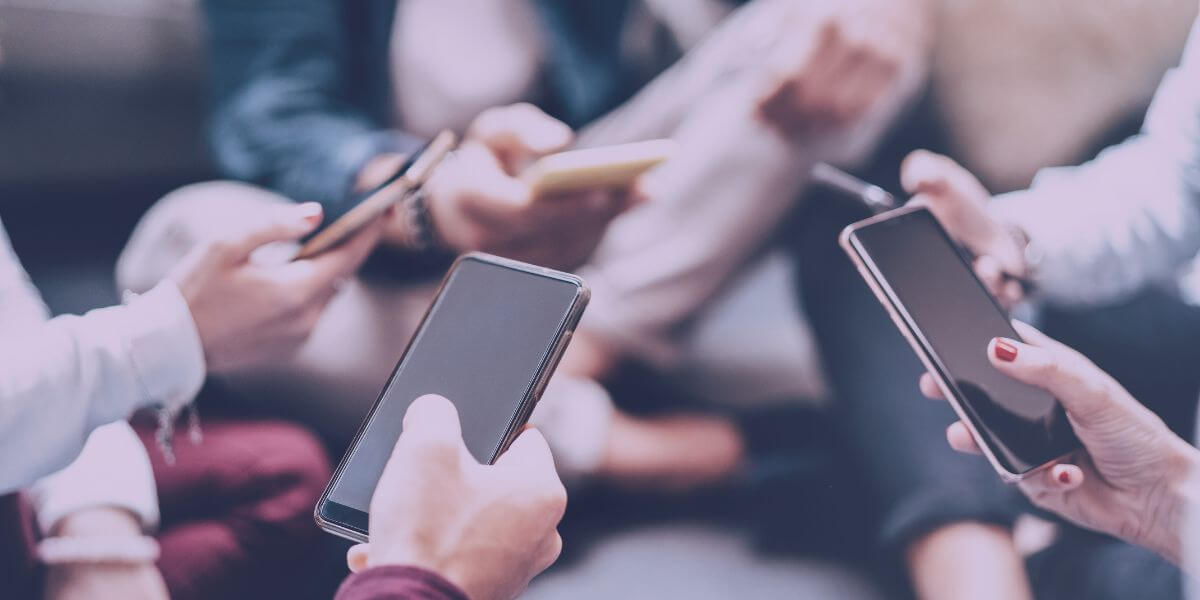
98,521
1177,508
410,558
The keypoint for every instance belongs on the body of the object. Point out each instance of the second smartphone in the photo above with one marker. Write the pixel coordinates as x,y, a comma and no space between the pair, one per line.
949,318
489,343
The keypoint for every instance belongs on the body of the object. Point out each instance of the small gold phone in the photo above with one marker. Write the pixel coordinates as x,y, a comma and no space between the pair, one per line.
595,168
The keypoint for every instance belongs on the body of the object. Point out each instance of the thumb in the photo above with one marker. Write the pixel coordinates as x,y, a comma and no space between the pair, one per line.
520,132
278,223
432,434
357,556
530,456
925,172
1077,383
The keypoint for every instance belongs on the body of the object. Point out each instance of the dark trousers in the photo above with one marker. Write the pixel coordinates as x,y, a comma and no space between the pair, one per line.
895,436
1147,342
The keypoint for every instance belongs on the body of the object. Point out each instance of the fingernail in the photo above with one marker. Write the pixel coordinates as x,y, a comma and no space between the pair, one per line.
1005,350
1064,477
310,211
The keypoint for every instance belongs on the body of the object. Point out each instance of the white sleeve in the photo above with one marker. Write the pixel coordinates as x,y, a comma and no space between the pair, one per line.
113,470
69,375
1131,216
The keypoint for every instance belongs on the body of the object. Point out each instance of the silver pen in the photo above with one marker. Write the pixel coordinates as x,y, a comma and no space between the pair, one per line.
876,198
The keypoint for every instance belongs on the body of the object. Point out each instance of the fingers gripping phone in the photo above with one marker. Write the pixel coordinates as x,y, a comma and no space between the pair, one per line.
411,176
489,342
948,316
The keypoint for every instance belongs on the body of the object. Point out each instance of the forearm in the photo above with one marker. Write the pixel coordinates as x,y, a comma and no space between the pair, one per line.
113,472
1174,530
292,112
1106,228
398,583
63,379
1129,217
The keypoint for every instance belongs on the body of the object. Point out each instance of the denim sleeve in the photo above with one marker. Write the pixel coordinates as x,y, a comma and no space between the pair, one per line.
289,114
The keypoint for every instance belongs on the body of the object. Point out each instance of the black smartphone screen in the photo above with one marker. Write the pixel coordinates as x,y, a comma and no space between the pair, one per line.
483,344
954,318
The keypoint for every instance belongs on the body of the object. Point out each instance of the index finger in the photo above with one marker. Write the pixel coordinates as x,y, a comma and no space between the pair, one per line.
930,388
322,271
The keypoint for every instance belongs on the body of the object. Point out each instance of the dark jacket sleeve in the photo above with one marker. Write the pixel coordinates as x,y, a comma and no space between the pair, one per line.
292,112
398,583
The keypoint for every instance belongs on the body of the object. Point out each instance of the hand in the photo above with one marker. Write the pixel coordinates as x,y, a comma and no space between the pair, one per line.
85,581
248,313
1127,479
477,202
959,201
487,529
841,62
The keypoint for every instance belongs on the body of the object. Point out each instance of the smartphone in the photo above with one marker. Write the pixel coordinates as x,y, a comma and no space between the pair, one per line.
411,176
592,168
489,342
931,292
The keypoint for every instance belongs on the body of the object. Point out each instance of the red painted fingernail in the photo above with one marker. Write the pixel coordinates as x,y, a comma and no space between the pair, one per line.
310,212
1005,350
1064,477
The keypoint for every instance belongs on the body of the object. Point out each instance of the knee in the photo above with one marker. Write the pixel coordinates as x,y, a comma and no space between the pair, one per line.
293,458
179,221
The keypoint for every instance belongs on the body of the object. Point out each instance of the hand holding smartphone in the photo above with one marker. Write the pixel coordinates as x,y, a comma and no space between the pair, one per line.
489,342
407,179
949,317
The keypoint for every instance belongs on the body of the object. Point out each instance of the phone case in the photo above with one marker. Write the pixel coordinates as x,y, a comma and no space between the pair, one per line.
916,340
520,417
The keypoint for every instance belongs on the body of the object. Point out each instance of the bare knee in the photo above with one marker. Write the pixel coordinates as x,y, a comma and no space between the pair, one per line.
178,222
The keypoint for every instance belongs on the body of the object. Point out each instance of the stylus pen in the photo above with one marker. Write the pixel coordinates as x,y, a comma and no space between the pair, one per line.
880,200
876,198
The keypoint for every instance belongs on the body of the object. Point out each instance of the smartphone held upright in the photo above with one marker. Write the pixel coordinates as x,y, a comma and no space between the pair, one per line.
489,342
948,316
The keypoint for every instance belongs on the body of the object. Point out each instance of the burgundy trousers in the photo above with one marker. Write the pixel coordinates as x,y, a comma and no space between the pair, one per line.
236,514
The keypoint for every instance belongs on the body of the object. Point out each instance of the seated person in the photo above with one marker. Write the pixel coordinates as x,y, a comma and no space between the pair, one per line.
1096,233
233,506
320,104
443,526
324,102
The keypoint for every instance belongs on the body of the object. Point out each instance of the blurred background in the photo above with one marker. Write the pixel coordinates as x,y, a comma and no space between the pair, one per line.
103,107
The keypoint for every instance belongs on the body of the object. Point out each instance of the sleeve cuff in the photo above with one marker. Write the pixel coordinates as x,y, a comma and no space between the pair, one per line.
164,346
112,471
398,583
354,154
1041,215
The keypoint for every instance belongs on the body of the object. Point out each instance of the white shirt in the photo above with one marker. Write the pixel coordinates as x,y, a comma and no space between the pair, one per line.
72,380
1129,218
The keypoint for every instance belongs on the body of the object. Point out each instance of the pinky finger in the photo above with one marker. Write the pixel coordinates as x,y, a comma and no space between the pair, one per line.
1063,477
960,438
356,557
930,388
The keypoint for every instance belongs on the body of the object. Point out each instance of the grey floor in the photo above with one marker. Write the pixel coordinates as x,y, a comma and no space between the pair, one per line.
699,561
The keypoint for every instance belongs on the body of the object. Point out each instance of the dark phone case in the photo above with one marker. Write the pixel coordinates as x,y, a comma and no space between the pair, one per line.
350,523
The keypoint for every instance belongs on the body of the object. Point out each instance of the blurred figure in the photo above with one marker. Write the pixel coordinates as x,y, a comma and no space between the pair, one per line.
1096,234
326,103
232,509
445,526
